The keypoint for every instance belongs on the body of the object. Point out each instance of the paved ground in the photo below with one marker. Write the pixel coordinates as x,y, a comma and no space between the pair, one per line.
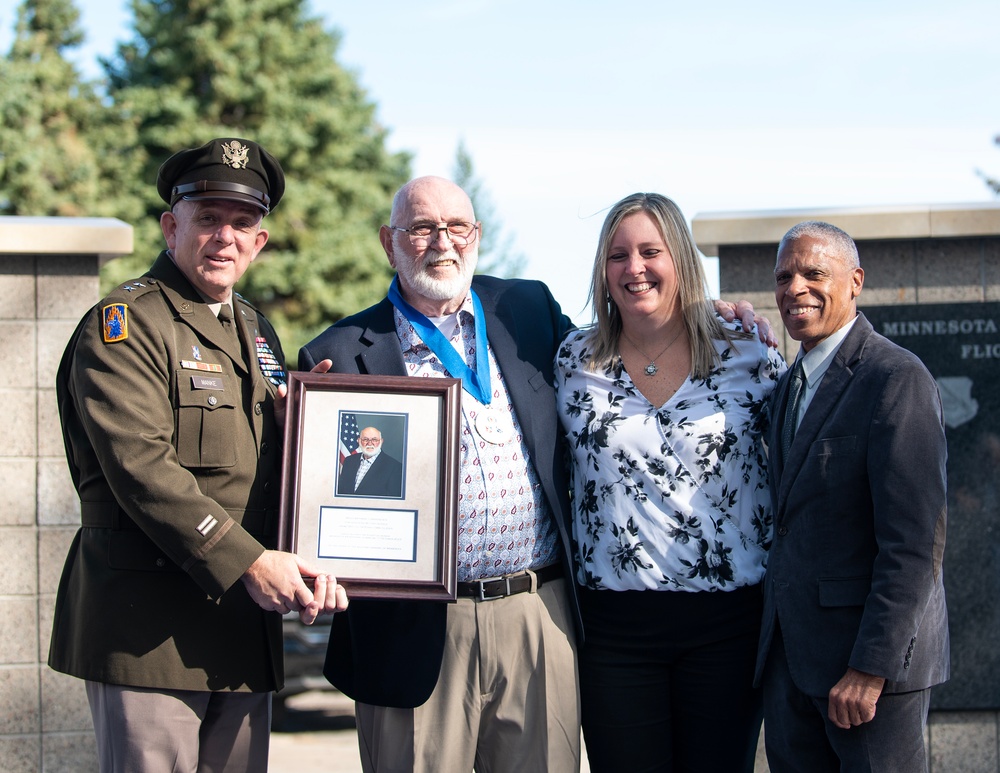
317,734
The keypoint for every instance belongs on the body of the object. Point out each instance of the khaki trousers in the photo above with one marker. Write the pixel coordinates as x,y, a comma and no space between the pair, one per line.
141,730
507,699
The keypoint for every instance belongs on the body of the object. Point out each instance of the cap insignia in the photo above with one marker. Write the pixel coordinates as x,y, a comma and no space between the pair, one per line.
235,154
114,322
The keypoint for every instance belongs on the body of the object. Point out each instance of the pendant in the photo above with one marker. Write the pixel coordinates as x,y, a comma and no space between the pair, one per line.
651,369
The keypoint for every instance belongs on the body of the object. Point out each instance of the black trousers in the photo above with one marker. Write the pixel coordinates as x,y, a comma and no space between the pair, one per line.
666,680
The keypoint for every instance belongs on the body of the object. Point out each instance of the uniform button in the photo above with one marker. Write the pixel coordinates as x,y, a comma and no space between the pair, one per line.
267,486
782,531
264,448
161,562
212,400
257,409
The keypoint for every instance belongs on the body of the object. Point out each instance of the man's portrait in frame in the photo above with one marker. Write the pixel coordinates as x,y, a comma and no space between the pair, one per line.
372,453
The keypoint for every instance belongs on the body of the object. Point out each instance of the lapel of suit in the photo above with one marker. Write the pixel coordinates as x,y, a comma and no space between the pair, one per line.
512,349
194,312
500,321
380,352
779,401
836,380
246,322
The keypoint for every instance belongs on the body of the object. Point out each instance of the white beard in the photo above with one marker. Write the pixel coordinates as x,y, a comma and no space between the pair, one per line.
417,278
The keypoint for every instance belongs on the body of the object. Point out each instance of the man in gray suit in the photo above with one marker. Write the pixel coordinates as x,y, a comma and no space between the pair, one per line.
855,629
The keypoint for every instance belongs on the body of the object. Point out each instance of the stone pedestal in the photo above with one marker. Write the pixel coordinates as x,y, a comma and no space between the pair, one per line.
48,280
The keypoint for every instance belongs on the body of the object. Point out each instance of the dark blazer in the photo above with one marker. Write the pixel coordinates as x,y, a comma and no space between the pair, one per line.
383,479
854,573
389,653
166,431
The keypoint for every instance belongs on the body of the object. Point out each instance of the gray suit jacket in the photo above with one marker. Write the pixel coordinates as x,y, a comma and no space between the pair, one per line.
854,573
388,653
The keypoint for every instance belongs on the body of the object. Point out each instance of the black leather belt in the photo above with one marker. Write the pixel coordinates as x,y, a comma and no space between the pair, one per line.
509,584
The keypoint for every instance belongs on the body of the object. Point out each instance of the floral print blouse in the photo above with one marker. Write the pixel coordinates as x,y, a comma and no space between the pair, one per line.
672,497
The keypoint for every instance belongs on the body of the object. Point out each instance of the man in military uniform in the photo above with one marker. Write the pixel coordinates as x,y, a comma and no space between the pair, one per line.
170,396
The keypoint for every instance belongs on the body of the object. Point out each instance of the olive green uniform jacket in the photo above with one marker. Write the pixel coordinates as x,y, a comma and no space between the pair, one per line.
173,448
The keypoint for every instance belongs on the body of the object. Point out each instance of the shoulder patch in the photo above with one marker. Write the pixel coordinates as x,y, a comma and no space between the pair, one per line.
114,322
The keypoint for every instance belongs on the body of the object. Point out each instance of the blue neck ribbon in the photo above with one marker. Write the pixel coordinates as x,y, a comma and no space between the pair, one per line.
475,382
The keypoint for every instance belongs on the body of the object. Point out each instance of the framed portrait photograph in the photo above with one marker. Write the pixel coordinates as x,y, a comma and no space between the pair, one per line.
370,482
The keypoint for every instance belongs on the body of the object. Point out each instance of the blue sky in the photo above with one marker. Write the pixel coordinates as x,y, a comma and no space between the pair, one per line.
568,106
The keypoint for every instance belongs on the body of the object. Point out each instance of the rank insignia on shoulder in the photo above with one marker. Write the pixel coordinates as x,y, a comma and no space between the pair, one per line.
114,322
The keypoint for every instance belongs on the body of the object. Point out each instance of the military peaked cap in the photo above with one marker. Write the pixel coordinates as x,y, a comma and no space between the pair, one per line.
225,168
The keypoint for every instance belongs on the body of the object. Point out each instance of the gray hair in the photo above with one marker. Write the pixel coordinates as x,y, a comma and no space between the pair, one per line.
844,245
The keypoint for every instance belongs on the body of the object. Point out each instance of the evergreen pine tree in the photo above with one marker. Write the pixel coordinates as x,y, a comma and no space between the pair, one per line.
62,151
263,70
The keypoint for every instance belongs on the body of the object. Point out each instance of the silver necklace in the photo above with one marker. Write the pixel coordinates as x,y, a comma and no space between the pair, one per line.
652,369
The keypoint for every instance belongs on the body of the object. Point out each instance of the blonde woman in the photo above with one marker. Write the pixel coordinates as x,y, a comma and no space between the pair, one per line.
663,405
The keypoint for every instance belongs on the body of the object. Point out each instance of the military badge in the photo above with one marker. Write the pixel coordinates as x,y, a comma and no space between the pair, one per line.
211,367
270,368
114,322
235,155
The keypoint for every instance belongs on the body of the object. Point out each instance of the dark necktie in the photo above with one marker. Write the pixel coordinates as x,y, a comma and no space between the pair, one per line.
226,318
796,383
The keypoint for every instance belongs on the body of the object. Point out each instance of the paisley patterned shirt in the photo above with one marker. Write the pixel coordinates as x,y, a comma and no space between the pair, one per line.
672,497
505,524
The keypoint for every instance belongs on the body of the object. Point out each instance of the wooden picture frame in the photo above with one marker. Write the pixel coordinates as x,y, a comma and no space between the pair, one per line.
391,531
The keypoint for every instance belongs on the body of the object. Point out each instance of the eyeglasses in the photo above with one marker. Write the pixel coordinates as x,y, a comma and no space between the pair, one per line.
460,233
370,441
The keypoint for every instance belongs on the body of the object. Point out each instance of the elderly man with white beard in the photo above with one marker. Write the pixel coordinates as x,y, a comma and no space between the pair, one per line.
488,682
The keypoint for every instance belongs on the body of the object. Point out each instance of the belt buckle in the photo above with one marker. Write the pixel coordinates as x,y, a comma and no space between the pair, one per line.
505,593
